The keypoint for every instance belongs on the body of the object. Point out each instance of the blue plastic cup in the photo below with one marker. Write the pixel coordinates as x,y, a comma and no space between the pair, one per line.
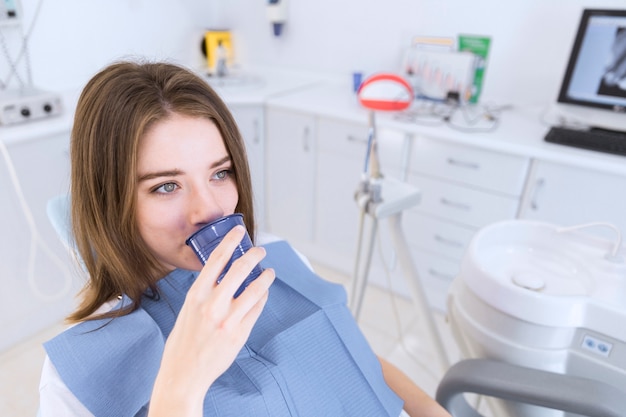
206,239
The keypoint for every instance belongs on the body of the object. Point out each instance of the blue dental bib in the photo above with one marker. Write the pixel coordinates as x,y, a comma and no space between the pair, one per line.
305,356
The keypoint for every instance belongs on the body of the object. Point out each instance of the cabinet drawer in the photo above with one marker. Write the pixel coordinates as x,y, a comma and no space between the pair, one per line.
463,205
436,236
488,170
436,275
290,176
350,140
344,138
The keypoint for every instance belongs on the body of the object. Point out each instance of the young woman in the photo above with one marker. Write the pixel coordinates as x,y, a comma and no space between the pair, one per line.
156,155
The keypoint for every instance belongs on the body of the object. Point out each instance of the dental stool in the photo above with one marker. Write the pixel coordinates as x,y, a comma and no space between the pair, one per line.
539,314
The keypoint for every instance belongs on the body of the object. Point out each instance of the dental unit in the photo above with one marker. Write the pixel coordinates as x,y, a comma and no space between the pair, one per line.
544,297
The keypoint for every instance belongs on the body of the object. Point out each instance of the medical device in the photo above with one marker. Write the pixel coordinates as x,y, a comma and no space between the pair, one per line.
591,105
9,13
379,198
20,100
547,298
29,104
593,90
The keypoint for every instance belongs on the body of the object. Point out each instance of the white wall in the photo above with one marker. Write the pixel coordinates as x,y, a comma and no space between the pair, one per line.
72,39
531,39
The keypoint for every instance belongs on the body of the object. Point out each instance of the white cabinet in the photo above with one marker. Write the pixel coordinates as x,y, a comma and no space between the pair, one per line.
461,204
569,195
32,301
251,122
479,168
341,152
290,175
463,189
314,164
316,154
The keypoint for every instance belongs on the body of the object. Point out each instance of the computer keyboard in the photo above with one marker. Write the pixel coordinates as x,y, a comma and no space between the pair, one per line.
594,139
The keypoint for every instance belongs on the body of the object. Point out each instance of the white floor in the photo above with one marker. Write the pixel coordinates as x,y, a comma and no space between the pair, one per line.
406,344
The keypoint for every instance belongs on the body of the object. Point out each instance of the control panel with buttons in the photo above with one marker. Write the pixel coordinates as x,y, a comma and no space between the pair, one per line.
596,345
24,106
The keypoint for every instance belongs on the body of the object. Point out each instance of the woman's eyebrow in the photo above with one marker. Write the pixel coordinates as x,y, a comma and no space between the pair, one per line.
152,175
175,172
221,161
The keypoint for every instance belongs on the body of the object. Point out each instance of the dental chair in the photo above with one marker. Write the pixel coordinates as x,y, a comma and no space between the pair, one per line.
527,386
58,211
539,314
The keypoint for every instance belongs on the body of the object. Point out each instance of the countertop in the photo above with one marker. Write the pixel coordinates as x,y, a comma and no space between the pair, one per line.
519,130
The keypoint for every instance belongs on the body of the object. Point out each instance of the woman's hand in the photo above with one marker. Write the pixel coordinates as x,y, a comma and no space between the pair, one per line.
416,401
210,330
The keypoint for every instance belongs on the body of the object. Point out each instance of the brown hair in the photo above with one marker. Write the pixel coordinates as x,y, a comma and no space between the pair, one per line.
116,108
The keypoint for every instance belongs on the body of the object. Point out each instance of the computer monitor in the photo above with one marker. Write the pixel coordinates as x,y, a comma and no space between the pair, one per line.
593,91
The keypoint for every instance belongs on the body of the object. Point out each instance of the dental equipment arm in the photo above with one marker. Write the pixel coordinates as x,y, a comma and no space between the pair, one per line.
529,386
379,198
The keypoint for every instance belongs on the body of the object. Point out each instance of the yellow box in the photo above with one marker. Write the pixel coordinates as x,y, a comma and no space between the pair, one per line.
219,51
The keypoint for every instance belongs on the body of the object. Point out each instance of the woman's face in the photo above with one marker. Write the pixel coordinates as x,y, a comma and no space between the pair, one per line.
185,180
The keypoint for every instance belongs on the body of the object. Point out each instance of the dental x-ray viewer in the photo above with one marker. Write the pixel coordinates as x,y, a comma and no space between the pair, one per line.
156,155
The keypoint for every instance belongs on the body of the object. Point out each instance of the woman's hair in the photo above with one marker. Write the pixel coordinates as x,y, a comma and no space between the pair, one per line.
114,112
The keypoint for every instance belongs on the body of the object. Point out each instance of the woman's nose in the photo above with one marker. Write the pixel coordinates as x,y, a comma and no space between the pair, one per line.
204,207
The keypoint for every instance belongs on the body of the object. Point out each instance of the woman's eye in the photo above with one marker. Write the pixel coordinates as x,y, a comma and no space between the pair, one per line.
166,188
224,174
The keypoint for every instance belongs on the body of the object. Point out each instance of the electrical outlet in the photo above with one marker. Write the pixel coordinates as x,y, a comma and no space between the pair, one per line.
10,13
596,345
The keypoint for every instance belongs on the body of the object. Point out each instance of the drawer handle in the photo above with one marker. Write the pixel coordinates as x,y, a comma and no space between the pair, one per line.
463,164
449,242
305,139
440,275
257,132
535,198
356,139
454,204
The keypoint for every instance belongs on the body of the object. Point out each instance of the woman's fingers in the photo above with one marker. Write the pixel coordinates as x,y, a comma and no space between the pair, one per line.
219,258
238,271
213,325
249,304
